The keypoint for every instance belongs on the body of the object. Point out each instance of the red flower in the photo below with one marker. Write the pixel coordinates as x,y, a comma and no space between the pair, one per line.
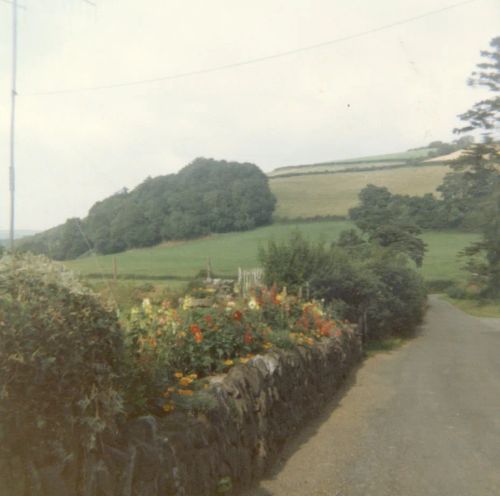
195,329
198,337
247,337
237,315
208,319
325,328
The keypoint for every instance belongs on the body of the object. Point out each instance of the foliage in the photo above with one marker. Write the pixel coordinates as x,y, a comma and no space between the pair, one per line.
173,349
294,262
386,219
207,196
479,172
371,281
60,360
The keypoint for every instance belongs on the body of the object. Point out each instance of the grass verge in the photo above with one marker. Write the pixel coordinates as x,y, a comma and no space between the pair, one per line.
475,307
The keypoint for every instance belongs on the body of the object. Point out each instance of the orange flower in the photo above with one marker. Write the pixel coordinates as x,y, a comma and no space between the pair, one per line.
237,315
247,337
198,337
195,329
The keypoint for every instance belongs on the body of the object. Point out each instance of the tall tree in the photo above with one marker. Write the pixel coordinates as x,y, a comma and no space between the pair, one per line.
480,167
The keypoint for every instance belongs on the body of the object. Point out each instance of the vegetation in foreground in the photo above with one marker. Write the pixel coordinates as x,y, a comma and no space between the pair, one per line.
70,372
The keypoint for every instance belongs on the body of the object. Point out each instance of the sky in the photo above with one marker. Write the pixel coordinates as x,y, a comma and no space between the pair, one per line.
385,91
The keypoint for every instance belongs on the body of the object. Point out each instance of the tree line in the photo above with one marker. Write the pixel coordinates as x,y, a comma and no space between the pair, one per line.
207,196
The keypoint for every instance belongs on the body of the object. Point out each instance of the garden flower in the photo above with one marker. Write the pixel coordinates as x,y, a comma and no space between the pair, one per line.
195,329
228,362
253,304
185,381
146,306
198,337
178,375
187,303
237,315
247,337
168,407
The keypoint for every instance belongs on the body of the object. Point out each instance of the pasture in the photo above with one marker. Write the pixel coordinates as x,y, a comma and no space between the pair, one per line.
334,194
171,265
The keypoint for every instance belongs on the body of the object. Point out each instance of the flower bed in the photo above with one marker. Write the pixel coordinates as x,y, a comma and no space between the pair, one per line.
175,350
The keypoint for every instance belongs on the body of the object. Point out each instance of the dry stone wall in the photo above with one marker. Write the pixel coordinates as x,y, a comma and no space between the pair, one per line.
257,407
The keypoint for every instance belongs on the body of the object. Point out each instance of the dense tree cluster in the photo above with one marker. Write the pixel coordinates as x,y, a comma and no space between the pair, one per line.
207,196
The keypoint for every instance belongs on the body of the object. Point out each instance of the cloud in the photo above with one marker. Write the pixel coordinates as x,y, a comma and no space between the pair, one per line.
385,92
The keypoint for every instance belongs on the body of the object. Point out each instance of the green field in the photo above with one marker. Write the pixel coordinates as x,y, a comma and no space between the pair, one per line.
227,252
334,194
441,262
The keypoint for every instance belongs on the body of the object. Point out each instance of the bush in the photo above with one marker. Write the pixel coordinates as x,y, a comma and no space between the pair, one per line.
60,358
456,292
373,283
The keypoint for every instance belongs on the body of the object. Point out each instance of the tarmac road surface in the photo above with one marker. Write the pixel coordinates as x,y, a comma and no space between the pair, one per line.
423,420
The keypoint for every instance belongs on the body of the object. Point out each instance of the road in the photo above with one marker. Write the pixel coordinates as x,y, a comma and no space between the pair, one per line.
423,420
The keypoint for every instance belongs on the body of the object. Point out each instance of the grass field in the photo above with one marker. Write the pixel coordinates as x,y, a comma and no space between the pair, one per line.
441,262
227,252
335,194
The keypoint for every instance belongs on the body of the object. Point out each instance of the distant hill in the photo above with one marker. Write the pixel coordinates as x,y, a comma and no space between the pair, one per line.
332,188
409,157
311,195
20,233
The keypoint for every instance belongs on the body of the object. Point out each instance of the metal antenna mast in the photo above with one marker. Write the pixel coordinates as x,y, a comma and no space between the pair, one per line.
12,170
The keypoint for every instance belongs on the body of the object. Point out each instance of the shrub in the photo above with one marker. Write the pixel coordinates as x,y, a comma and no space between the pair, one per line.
60,358
372,282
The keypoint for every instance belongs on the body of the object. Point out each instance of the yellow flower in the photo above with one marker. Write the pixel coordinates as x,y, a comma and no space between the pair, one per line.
179,375
267,345
185,381
187,303
146,306
253,304
193,376
228,362
244,360
168,407
310,341
185,392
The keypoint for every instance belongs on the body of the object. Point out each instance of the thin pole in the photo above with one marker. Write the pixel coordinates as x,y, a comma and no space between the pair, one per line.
12,175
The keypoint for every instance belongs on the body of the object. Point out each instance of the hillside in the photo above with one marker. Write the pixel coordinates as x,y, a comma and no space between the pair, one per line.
409,157
229,251
310,195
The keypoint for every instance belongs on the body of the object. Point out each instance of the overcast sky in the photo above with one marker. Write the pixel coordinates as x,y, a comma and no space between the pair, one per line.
387,91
